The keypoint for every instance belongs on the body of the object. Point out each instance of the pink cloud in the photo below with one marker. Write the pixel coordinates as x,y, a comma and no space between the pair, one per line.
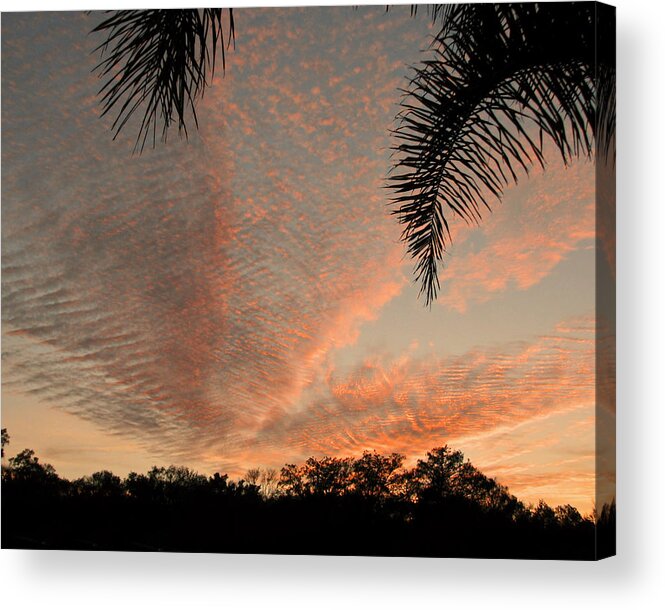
538,224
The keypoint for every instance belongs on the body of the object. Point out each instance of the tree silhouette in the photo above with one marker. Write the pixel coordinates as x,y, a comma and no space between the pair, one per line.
317,477
25,467
326,505
102,483
567,515
544,515
5,440
269,482
266,480
438,475
376,476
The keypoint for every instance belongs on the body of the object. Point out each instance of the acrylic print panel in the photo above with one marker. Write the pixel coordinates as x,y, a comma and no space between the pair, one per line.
256,299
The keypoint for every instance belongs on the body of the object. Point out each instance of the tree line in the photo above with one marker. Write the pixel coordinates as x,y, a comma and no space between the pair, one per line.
370,505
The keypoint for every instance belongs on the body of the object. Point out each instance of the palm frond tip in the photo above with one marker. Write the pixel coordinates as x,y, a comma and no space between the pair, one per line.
159,62
503,80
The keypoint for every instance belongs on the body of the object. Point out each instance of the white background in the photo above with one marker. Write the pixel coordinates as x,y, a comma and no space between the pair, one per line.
633,579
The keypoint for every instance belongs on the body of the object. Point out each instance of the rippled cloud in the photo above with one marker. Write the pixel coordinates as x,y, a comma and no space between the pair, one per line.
192,299
412,404
189,294
539,223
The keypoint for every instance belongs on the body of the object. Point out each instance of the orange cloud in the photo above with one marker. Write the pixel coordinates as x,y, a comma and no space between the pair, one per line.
411,405
538,224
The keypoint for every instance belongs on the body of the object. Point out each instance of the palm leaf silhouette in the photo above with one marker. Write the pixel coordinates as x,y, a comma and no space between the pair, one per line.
503,80
159,61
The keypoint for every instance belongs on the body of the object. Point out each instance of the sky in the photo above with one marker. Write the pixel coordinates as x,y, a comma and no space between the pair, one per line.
242,298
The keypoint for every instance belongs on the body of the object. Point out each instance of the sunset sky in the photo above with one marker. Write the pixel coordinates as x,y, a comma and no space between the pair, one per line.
242,298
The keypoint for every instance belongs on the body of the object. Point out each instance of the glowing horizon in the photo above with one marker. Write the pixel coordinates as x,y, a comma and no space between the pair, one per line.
242,298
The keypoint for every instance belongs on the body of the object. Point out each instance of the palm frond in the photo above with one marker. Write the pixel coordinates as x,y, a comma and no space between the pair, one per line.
605,123
502,81
159,62
435,12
